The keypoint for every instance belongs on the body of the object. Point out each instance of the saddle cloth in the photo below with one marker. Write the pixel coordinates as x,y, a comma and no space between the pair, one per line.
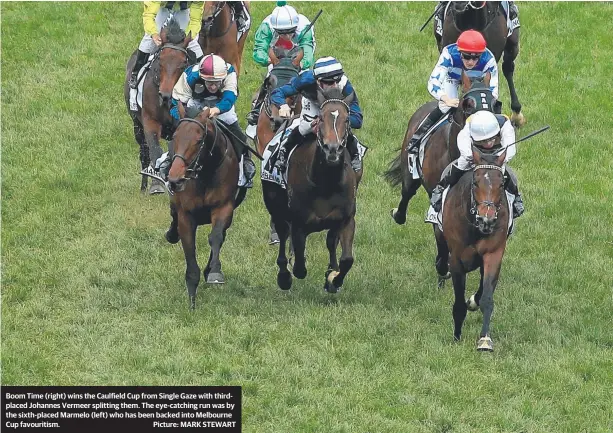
136,95
413,164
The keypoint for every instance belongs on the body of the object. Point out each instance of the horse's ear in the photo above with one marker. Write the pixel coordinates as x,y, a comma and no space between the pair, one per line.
465,82
477,155
204,115
501,158
486,79
187,39
349,98
181,109
320,97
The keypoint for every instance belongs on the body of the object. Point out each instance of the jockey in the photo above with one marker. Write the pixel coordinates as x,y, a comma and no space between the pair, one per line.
282,33
439,14
483,129
468,55
212,83
326,74
155,14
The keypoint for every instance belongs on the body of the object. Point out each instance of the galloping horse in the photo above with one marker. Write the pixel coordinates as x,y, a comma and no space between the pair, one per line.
441,148
475,222
268,123
219,32
488,18
153,121
321,195
203,178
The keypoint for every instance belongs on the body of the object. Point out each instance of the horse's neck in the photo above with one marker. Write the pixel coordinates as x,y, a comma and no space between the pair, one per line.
321,173
221,23
213,154
472,18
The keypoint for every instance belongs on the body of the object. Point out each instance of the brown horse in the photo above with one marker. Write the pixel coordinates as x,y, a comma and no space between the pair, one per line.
441,148
475,222
268,121
321,195
488,18
203,179
219,31
153,121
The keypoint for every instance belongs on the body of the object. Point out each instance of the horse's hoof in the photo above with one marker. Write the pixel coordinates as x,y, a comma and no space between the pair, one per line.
442,279
400,219
485,344
329,285
471,304
518,120
215,278
156,188
299,272
284,280
171,237
274,238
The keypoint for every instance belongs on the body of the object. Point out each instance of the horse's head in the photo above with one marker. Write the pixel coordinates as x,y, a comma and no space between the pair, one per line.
333,127
487,189
173,58
210,13
189,141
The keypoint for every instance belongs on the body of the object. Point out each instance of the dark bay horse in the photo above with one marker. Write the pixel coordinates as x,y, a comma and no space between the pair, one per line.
475,222
441,149
321,195
153,121
488,18
268,121
203,178
219,32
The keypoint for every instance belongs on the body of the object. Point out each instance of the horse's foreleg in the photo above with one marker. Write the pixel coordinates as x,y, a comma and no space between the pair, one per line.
153,132
409,189
221,218
458,277
139,135
299,245
274,236
332,240
442,257
284,277
346,262
473,302
491,270
187,233
511,50
172,235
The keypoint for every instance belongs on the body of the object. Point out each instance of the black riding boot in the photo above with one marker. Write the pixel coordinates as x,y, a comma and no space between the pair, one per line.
254,114
141,59
239,140
431,119
294,139
513,10
451,175
510,185
352,148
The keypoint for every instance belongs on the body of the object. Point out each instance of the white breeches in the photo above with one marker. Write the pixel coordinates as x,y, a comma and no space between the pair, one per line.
450,89
310,111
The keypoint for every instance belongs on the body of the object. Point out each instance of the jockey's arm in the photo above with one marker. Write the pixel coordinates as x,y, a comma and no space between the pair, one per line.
229,92
492,67
465,161
292,88
150,11
195,19
507,134
263,37
355,112
439,75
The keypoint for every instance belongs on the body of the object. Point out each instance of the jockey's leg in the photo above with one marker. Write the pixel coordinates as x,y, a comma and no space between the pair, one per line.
239,141
294,139
352,148
451,175
425,125
256,105
513,10
141,59
511,185
194,50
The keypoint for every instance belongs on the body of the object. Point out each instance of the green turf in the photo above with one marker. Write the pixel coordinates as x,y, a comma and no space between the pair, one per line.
93,294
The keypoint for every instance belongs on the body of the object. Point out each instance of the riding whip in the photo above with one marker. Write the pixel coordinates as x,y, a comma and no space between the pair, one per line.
532,134
227,131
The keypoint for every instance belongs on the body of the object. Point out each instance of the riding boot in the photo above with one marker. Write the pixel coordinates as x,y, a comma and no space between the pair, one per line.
256,105
426,124
192,57
239,140
513,10
295,138
510,185
141,59
352,148
451,175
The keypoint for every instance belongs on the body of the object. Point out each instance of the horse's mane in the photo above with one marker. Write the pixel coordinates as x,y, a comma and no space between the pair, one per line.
174,33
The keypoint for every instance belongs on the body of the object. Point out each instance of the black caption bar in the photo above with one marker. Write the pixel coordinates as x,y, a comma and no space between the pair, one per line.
214,409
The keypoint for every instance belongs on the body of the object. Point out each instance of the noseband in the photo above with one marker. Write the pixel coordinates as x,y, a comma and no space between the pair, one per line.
343,141
193,168
487,203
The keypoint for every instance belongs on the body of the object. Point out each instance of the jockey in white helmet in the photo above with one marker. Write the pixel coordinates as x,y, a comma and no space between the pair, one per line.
484,130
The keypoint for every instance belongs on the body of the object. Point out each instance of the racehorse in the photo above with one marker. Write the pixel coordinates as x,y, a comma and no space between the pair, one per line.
441,148
488,18
268,121
219,31
203,179
320,195
153,121
475,223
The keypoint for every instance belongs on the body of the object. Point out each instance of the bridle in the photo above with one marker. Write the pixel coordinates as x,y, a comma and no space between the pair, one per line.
157,54
207,23
343,141
487,203
195,166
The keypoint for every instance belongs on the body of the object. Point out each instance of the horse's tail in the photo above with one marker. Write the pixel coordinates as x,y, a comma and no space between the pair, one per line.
393,175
